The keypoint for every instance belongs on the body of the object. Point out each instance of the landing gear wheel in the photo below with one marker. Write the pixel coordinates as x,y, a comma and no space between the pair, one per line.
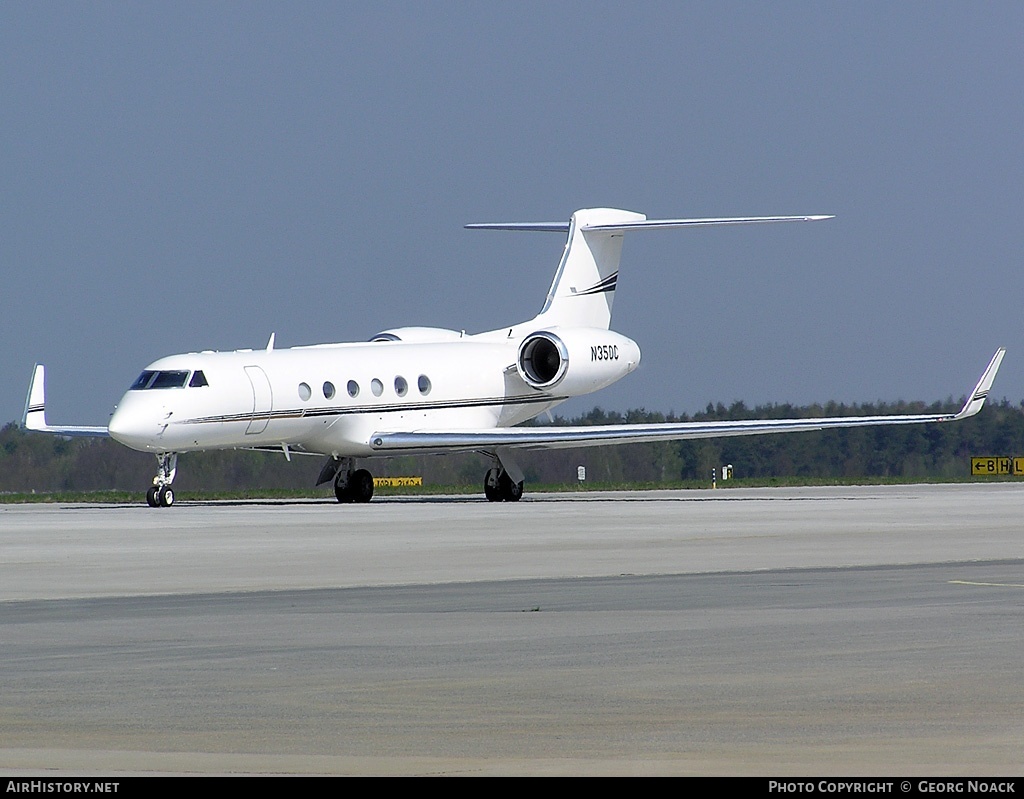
499,487
165,496
360,484
510,491
160,495
492,487
354,486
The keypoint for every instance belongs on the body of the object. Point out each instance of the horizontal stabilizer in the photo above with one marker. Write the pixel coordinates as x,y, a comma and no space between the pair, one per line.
644,224
583,289
663,224
544,227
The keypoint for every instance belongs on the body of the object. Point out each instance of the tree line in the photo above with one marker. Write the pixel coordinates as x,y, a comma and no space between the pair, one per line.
43,463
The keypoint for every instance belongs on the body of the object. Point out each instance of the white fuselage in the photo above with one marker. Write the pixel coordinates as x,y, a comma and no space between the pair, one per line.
332,398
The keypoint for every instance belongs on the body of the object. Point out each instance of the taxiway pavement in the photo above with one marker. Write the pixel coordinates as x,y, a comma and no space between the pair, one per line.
873,630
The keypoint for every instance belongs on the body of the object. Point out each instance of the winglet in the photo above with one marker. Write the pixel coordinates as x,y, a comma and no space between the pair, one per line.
980,394
34,417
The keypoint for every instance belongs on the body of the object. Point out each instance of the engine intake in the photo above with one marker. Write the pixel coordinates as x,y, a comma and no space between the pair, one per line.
543,360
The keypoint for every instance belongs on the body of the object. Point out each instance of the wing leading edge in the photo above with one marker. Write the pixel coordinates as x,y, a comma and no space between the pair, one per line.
603,435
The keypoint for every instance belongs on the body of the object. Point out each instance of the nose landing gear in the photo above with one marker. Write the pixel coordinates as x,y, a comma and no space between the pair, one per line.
160,494
160,497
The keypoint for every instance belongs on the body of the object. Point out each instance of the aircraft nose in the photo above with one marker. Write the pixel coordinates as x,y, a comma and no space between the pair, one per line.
133,429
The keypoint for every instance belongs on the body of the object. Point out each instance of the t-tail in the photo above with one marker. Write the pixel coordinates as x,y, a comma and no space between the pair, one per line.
583,289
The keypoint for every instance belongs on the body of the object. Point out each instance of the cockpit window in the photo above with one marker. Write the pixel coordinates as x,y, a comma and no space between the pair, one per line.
147,380
198,379
143,382
169,380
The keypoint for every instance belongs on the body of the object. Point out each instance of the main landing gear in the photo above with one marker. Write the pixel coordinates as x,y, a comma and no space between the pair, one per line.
350,485
354,486
504,480
502,483
500,487
161,495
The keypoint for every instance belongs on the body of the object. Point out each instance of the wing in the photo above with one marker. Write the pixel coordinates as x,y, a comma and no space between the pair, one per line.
34,417
603,435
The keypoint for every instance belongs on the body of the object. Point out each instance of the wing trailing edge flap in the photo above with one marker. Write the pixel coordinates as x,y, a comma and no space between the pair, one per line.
605,435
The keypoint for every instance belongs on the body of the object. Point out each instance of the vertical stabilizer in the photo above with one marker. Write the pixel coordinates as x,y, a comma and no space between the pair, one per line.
583,289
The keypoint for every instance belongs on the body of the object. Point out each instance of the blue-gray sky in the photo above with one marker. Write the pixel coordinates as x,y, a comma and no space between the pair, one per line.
184,176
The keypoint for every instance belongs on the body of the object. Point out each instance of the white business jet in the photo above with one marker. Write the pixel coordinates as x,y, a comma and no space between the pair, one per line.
427,390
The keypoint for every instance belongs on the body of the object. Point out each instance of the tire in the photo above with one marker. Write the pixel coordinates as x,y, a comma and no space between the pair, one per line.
151,497
165,496
510,492
361,485
492,486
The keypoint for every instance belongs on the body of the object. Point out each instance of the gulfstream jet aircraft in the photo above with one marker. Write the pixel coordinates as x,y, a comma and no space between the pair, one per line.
427,390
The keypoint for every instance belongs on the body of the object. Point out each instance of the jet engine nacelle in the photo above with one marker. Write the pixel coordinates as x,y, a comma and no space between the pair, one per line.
578,360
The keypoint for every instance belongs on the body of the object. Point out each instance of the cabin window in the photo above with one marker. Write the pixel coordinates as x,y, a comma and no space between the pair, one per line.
376,387
328,389
353,388
401,386
198,379
423,383
304,391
